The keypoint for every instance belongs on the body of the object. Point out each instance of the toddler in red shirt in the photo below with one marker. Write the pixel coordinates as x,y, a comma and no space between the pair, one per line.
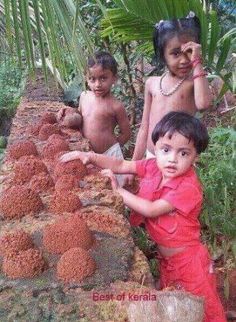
169,204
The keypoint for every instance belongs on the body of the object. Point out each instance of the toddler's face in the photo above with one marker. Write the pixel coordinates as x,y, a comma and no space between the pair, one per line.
100,80
178,62
175,155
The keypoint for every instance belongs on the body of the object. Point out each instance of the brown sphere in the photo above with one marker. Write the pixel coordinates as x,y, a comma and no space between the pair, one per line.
52,148
48,129
75,167
49,118
19,201
75,265
27,263
64,201
67,233
22,148
14,242
27,167
55,137
41,182
66,182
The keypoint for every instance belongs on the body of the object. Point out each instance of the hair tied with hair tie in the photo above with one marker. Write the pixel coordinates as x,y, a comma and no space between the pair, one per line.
191,14
158,24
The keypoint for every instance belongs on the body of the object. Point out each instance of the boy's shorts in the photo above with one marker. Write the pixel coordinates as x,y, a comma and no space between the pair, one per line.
192,271
116,152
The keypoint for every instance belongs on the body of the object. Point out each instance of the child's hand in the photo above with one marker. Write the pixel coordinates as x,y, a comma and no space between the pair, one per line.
192,50
61,114
108,173
70,156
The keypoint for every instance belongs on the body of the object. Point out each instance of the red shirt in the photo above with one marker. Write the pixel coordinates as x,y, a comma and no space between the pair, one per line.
181,227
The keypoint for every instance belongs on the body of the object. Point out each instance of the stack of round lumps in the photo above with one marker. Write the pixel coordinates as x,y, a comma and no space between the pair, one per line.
18,201
74,167
67,182
67,233
64,201
22,148
47,130
24,264
26,167
75,265
15,241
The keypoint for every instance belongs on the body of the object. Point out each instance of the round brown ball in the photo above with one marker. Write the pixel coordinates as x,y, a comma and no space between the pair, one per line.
18,201
49,118
67,233
64,201
53,147
41,182
66,182
25,264
22,148
26,167
75,265
15,241
47,130
74,167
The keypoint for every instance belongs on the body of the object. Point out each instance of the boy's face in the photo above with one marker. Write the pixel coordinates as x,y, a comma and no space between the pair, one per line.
175,155
177,61
100,80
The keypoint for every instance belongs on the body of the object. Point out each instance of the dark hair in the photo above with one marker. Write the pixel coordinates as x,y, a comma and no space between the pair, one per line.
167,29
105,59
185,124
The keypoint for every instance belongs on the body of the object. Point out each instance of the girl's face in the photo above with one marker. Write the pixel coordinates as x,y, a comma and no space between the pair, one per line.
177,61
175,155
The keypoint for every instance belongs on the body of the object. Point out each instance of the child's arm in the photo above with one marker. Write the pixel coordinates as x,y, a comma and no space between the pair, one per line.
202,93
142,206
102,161
123,122
141,141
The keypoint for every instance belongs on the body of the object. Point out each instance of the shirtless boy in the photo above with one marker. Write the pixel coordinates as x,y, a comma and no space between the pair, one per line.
101,112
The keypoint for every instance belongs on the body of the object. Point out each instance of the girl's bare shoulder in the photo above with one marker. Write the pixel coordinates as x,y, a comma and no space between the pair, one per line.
152,83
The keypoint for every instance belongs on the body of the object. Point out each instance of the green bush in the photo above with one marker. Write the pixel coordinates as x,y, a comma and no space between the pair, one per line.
11,89
218,175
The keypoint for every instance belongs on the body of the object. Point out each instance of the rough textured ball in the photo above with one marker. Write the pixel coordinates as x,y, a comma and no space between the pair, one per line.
18,201
26,167
49,118
53,147
41,182
25,264
64,202
47,130
75,265
67,233
75,167
15,241
66,182
22,148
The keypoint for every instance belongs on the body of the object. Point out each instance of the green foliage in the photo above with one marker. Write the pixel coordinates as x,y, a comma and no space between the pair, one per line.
217,173
10,84
134,20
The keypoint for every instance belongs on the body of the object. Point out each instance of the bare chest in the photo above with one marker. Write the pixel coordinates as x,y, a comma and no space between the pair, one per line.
181,100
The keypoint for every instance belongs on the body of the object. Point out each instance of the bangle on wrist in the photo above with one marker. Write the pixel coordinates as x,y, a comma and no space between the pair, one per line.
196,61
199,75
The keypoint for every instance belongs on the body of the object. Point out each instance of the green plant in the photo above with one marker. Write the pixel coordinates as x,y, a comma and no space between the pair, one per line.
11,77
217,173
134,20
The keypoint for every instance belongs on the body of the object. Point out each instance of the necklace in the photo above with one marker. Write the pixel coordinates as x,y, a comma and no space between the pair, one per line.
174,89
